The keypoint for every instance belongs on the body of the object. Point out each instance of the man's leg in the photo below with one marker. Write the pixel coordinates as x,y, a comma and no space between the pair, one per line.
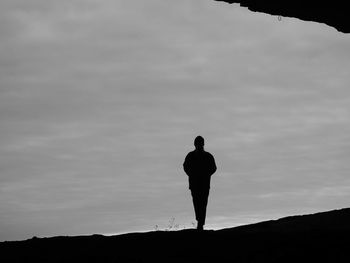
196,203
203,201
203,205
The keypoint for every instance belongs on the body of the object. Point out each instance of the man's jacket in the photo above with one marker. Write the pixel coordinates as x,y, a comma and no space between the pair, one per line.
199,166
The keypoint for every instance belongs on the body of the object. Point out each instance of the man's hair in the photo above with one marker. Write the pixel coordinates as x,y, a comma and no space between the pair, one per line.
199,141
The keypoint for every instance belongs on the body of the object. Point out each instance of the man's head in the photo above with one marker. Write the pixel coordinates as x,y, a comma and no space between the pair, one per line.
199,143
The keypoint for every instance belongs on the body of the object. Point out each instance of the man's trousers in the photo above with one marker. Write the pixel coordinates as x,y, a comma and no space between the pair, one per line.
200,201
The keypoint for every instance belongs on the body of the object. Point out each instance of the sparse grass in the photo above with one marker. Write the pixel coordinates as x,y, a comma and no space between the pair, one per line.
173,226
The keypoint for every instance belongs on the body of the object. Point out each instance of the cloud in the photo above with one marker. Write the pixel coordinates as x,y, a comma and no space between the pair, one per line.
100,102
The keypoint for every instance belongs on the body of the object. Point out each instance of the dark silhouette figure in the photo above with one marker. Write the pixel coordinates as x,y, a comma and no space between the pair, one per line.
199,165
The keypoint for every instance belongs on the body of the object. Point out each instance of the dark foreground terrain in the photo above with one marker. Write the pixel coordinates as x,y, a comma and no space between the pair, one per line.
333,13
322,237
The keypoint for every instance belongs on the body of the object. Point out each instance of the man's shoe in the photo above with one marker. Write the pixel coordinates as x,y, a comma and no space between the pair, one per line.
200,227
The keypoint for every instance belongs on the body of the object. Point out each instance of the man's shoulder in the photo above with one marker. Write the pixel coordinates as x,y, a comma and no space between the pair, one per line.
191,153
209,154
203,153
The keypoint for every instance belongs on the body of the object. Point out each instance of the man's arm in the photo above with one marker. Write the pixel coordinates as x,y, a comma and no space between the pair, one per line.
186,165
213,165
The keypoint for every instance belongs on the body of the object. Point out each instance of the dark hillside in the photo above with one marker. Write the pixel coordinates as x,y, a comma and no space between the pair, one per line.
321,237
333,13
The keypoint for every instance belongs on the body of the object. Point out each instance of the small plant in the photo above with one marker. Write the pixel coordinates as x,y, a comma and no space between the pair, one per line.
172,225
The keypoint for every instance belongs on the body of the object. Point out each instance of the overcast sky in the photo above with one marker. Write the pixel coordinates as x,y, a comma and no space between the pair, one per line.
100,101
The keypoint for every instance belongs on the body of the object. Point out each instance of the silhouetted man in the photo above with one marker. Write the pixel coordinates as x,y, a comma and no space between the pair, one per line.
199,165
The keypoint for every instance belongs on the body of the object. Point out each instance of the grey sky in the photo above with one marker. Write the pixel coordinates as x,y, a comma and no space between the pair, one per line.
101,100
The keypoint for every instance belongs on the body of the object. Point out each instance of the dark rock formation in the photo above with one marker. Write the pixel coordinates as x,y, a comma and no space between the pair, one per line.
322,237
333,13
